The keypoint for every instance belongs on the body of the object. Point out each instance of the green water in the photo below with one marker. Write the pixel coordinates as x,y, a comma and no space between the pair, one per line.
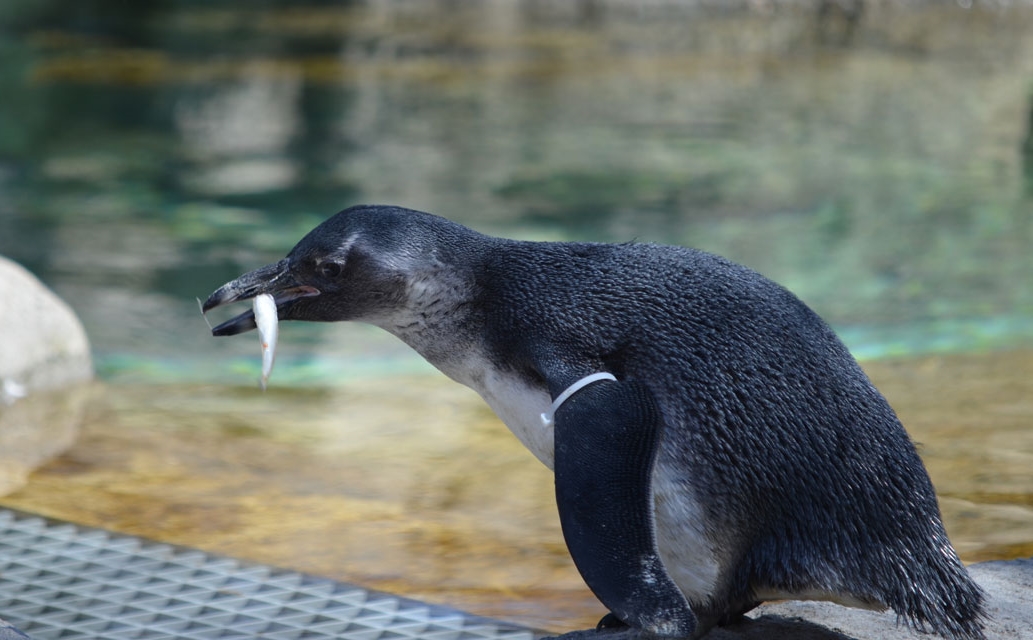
882,169
150,152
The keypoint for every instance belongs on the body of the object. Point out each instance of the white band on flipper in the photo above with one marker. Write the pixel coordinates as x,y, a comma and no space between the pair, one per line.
571,390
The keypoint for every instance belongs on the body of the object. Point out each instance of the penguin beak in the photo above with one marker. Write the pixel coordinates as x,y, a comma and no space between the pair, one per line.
274,279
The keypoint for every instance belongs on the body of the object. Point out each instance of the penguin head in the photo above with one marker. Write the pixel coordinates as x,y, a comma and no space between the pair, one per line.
365,263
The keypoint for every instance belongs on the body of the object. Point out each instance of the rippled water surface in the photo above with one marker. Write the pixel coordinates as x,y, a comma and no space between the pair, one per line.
880,167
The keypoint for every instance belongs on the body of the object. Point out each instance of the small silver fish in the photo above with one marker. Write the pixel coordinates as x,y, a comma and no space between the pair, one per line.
268,329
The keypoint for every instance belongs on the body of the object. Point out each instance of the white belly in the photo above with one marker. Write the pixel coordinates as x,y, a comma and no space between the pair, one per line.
681,539
520,405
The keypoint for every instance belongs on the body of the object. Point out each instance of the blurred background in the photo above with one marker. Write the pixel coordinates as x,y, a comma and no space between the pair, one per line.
876,157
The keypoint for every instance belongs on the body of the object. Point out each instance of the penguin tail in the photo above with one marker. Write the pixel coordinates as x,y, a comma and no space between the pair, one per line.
952,606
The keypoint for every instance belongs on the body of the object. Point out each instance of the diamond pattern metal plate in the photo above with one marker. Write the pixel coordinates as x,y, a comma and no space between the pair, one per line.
60,580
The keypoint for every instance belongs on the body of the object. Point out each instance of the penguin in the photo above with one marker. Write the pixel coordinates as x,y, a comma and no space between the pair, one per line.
714,444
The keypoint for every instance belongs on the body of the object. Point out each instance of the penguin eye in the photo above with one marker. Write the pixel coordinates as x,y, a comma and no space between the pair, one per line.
329,269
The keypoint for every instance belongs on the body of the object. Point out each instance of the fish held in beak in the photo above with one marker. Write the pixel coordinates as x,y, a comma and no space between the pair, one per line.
264,310
274,280
269,288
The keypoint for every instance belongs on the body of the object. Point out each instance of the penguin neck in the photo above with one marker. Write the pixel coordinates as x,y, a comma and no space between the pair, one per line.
435,317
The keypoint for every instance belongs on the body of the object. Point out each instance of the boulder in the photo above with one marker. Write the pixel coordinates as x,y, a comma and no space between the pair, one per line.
9,632
44,365
1008,584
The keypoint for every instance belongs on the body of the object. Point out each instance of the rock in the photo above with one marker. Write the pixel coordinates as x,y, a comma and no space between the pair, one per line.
44,363
9,632
1009,585
44,345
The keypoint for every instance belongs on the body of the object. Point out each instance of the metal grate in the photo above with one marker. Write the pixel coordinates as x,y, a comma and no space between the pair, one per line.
60,580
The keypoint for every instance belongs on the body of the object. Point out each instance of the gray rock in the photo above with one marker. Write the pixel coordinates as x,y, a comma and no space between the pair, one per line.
9,632
1009,585
44,345
44,363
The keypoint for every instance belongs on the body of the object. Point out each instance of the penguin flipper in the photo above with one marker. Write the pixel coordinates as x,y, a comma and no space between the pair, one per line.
606,438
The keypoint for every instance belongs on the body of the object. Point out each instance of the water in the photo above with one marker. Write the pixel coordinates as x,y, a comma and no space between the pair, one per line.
149,157
882,170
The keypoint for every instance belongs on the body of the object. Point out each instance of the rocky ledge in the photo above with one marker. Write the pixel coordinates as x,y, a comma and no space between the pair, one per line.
1009,585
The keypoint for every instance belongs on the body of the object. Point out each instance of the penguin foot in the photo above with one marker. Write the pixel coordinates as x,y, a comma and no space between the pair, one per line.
619,632
610,621
738,616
